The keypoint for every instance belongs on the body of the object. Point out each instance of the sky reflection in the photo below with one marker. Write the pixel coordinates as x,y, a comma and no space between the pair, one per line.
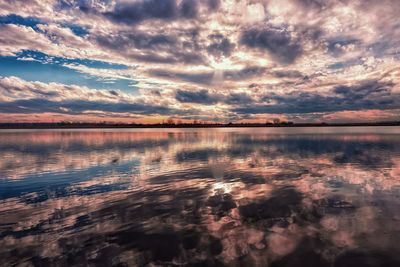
200,196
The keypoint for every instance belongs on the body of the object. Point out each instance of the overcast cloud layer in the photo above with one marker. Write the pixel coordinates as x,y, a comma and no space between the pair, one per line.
212,60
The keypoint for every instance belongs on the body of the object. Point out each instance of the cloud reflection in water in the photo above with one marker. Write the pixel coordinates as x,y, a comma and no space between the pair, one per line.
194,197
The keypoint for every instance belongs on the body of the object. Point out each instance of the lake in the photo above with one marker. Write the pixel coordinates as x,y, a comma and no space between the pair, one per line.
200,197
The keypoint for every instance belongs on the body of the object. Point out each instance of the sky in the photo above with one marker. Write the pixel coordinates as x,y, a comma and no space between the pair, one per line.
146,61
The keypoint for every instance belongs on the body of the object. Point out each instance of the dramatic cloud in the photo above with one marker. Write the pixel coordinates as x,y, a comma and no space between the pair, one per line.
136,11
220,45
241,60
132,12
278,42
78,107
206,98
21,97
367,95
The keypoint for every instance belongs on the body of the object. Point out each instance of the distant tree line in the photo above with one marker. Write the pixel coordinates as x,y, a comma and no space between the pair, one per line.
171,123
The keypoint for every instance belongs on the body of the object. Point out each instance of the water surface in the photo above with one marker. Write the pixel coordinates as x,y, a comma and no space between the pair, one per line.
195,197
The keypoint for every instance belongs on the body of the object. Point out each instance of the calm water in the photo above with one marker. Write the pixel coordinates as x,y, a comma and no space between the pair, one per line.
217,197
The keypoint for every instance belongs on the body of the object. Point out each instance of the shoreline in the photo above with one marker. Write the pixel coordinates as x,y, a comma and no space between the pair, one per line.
98,126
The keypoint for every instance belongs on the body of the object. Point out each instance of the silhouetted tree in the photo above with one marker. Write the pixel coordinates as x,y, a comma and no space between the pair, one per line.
170,121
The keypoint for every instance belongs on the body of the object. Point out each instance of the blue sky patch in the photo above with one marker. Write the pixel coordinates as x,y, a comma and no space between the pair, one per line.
18,20
33,22
35,66
44,58
76,29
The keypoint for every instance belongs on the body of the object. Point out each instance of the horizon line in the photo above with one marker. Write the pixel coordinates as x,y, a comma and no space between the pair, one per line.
77,125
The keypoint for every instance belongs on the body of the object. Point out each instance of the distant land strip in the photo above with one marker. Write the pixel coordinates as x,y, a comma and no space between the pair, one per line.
77,125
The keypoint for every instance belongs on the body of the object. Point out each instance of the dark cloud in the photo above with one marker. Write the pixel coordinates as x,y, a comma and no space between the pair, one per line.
138,11
288,74
30,106
113,92
204,97
370,93
214,4
336,46
239,98
133,12
139,40
198,78
367,95
245,73
200,97
186,58
314,4
155,92
278,42
220,46
189,8
154,48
